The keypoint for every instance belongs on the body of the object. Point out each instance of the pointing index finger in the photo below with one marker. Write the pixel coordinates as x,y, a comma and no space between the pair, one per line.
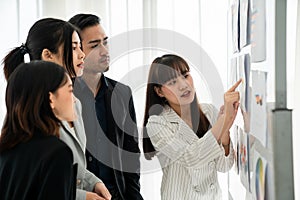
235,86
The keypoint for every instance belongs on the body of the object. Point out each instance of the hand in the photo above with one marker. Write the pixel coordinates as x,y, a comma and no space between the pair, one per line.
93,196
227,113
101,190
231,104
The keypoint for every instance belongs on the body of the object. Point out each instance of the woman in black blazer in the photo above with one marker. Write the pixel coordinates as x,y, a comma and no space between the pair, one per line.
34,162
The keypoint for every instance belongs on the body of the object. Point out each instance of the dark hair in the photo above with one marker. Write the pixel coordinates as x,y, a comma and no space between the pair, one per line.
28,104
162,70
83,21
47,33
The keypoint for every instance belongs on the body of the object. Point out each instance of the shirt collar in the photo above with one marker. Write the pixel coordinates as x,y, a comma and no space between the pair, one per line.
103,80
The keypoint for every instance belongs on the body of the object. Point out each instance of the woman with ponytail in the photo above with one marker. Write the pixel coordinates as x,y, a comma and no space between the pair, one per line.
58,41
34,163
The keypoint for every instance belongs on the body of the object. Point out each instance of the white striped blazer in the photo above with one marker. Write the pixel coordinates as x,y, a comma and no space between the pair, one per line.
189,164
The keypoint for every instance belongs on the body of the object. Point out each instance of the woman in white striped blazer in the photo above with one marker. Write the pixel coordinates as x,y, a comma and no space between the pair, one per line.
191,141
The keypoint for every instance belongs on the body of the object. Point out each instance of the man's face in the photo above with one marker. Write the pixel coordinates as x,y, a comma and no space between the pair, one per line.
95,47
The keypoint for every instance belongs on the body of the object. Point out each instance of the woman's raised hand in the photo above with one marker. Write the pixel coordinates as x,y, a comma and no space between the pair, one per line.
231,104
227,112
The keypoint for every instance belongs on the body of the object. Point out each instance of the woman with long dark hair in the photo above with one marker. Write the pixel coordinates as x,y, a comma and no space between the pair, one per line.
190,140
34,163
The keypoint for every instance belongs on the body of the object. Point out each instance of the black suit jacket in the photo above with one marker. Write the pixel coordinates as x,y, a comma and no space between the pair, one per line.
41,168
122,134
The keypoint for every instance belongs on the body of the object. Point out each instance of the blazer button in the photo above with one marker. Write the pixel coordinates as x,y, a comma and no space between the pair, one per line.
212,164
78,181
212,186
197,188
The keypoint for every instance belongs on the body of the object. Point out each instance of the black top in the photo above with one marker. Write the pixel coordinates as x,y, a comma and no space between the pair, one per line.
121,153
105,172
41,168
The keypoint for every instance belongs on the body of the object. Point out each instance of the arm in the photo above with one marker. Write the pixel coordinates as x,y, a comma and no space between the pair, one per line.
221,128
225,121
89,183
132,174
227,114
168,139
225,162
225,140
85,195
80,194
95,185
90,180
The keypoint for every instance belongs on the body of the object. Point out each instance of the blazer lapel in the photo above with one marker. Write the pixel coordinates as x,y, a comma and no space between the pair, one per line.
111,126
69,131
186,133
79,128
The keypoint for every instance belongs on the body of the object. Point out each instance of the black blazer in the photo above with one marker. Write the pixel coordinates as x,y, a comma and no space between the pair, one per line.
39,169
123,155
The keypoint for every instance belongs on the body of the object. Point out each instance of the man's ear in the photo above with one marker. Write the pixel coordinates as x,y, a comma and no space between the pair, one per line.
47,55
158,91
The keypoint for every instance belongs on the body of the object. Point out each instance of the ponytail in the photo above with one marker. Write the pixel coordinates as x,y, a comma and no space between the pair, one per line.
13,59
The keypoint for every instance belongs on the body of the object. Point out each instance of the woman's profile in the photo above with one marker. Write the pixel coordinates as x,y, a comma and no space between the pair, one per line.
34,162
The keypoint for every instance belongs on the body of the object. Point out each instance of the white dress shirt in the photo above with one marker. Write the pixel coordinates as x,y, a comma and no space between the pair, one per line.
189,164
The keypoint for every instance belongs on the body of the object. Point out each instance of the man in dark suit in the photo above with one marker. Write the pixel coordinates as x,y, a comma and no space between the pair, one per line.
109,116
